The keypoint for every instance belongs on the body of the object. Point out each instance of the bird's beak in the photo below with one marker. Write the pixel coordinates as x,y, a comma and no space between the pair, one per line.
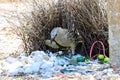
51,40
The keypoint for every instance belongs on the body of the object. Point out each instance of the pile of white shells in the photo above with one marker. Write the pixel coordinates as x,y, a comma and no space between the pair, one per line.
47,65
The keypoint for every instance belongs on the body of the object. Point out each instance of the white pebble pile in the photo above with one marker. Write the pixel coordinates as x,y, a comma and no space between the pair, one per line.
48,65
36,63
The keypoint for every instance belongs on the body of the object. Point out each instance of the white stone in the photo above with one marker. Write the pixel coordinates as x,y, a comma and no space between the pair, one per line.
11,60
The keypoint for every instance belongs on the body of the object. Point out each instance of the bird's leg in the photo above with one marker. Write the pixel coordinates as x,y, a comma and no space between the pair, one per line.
72,50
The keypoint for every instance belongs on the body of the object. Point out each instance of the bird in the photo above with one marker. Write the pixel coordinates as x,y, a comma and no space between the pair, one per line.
63,37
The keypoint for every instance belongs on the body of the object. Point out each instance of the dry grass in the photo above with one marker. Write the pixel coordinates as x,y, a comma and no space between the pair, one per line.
87,17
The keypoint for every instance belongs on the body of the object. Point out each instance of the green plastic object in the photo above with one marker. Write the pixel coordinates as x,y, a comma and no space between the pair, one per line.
88,62
19,78
106,60
100,57
80,59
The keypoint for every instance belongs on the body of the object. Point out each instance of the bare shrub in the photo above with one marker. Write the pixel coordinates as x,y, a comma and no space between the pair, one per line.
88,17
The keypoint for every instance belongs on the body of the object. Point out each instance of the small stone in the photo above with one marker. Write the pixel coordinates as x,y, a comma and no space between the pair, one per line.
10,78
94,66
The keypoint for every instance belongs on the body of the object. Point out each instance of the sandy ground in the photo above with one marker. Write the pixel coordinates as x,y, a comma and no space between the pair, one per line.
10,43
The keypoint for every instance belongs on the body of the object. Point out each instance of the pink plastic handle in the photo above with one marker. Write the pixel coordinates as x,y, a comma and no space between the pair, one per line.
91,49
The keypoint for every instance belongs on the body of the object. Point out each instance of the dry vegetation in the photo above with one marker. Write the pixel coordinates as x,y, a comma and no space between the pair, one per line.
88,17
